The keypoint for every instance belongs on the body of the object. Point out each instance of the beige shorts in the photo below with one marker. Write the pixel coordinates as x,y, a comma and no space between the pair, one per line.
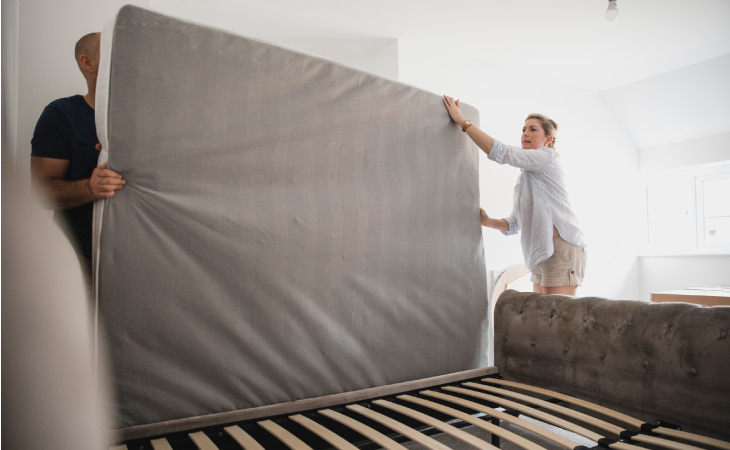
566,267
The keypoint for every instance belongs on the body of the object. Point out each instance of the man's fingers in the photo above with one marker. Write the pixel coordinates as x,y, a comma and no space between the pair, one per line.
113,183
108,173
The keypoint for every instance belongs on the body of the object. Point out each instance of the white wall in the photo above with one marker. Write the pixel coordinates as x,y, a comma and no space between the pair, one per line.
599,159
666,273
41,66
661,273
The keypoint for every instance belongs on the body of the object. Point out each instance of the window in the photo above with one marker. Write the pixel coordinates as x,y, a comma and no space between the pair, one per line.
713,209
688,211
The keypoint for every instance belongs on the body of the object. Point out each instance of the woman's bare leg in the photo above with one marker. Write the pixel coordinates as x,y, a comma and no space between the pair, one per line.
563,290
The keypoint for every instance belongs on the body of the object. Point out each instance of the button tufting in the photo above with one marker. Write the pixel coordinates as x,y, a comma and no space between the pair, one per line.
646,363
723,334
693,371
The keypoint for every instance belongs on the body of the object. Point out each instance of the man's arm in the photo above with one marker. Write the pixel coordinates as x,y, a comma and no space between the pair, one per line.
49,174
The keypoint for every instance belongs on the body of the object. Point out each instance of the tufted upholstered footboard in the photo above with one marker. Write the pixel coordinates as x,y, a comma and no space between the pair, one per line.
668,362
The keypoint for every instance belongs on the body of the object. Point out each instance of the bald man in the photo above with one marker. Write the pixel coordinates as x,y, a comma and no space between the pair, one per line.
65,153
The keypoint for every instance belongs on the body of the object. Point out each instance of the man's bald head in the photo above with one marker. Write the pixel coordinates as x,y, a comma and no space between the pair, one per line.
88,45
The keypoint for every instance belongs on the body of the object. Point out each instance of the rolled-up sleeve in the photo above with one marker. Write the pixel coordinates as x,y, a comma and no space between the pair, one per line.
533,160
514,227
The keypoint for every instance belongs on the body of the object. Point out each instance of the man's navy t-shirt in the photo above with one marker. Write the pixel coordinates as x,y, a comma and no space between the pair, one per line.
67,130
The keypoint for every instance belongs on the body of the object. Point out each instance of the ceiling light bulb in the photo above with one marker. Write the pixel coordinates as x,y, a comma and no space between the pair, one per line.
612,11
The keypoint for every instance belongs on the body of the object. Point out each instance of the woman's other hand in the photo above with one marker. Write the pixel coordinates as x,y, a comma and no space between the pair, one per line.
452,106
485,217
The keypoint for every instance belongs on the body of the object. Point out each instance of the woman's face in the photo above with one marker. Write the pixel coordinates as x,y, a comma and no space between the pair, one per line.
533,136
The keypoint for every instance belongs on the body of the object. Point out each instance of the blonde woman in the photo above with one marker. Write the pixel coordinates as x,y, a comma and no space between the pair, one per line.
552,242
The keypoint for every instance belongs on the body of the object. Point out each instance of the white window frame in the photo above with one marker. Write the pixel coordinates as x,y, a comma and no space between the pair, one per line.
696,175
700,204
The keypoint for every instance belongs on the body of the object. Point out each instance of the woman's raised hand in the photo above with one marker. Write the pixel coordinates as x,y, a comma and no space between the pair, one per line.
452,106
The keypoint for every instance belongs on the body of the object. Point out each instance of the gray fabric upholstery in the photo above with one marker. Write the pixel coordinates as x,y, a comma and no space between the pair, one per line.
668,361
290,228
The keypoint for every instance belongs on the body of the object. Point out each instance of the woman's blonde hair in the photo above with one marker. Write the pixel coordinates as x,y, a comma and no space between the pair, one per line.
548,125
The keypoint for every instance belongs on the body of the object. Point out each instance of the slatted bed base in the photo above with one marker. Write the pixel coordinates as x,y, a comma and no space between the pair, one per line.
503,411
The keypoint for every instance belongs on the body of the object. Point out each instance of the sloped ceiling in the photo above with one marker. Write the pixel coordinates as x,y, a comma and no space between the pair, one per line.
663,58
680,105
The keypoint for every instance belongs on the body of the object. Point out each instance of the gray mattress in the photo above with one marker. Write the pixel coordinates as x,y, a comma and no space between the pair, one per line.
290,227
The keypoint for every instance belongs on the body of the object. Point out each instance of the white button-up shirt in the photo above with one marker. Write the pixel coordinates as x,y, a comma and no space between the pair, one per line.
540,201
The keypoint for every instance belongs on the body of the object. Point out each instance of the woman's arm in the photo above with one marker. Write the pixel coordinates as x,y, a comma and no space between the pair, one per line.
482,139
497,224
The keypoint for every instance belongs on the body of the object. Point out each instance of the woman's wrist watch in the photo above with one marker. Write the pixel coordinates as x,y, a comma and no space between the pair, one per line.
466,124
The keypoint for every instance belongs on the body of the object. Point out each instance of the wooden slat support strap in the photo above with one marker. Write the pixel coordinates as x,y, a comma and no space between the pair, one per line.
160,444
405,430
532,412
570,426
284,435
484,425
636,423
545,417
566,398
602,424
370,433
439,425
202,441
242,438
536,429
325,433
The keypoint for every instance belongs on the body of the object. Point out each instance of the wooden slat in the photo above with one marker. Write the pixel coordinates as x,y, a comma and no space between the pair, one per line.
536,429
202,441
484,425
527,410
325,433
160,444
666,443
602,424
242,438
698,438
370,433
439,425
567,425
566,398
401,428
284,435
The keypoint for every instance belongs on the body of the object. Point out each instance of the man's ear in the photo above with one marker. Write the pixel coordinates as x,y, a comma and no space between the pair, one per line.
86,62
